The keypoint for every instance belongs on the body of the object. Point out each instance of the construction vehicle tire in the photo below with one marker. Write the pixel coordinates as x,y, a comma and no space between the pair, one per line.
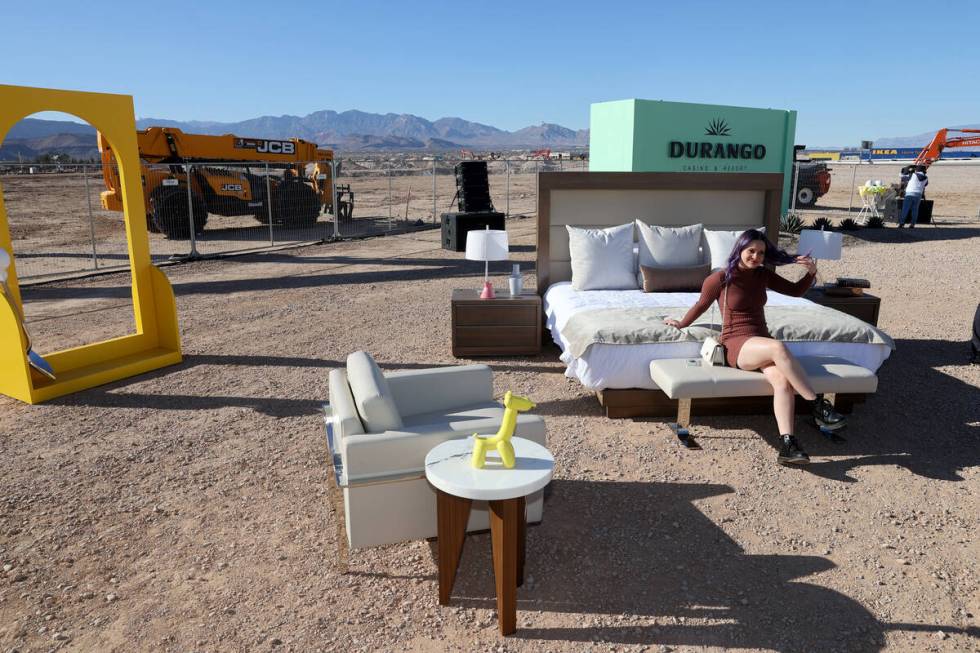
805,197
170,214
151,226
294,204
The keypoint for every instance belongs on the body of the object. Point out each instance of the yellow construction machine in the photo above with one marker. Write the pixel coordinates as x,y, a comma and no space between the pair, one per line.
222,171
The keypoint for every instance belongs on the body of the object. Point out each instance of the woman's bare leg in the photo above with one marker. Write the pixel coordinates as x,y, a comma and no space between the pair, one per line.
783,399
758,352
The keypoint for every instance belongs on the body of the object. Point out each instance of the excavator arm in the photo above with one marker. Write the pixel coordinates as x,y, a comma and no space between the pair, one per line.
934,150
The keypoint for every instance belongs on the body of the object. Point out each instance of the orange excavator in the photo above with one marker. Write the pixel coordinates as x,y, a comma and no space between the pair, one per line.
931,152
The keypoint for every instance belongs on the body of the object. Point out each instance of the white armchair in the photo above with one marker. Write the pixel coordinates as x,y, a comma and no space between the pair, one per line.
379,429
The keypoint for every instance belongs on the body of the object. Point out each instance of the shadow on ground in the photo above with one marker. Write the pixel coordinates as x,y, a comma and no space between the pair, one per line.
919,385
408,269
116,395
607,549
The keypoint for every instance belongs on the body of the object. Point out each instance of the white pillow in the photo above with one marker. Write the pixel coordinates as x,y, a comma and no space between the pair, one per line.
720,244
602,259
669,247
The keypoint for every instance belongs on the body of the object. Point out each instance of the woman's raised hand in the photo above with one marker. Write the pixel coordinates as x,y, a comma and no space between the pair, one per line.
808,263
673,323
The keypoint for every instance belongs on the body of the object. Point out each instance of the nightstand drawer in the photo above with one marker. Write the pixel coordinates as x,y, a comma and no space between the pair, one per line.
499,338
497,315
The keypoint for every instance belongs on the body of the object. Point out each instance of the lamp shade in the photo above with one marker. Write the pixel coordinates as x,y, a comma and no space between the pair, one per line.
821,244
486,245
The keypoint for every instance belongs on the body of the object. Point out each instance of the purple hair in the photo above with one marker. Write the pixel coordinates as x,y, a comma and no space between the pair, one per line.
774,255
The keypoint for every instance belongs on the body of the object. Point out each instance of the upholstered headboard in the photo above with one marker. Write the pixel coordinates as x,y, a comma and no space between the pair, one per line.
604,199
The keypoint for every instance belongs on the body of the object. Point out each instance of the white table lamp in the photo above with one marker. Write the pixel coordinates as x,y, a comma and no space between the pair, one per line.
488,245
821,244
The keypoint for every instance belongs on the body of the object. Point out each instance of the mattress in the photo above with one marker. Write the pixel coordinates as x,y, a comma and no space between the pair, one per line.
606,366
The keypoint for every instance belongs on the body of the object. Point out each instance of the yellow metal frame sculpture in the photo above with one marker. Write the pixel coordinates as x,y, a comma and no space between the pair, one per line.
156,342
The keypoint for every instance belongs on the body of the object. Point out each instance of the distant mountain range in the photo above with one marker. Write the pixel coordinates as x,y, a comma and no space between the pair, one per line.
359,130
347,131
919,140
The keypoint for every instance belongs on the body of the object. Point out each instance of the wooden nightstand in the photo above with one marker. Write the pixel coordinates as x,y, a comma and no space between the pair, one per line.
863,307
502,326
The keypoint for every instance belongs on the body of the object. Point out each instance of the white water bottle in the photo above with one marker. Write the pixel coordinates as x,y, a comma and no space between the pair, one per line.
515,281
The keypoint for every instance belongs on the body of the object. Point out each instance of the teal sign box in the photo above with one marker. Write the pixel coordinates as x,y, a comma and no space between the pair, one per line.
658,136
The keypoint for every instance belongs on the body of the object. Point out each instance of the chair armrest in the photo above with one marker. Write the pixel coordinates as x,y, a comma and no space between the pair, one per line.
343,409
440,388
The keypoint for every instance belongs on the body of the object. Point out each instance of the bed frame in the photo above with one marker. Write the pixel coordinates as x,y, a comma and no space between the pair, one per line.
603,199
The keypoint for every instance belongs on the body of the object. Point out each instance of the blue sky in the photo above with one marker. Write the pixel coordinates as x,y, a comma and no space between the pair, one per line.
853,70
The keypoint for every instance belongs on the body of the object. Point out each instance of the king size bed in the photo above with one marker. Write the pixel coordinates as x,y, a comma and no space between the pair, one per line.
608,336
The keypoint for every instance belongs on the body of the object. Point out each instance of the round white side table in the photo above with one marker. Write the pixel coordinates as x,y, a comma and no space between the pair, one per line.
458,484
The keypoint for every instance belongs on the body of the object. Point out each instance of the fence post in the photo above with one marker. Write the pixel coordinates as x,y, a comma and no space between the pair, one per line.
91,220
389,199
796,185
850,202
433,190
190,215
334,203
268,204
507,168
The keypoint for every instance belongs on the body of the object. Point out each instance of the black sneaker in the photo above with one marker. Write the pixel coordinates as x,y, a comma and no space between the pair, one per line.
826,416
791,453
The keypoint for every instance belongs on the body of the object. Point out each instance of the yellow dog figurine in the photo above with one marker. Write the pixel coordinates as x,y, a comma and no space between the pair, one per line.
513,404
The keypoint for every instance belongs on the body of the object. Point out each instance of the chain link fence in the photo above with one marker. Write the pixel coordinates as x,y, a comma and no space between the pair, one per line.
860,190
64,220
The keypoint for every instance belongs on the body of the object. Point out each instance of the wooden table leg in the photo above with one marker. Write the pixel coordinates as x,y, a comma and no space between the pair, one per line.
452,514
505,517
521,540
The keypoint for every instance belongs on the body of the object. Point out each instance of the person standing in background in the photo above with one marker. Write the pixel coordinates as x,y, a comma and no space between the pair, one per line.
913,196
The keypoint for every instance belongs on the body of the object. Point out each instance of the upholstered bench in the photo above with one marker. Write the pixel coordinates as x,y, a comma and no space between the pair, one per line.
687,379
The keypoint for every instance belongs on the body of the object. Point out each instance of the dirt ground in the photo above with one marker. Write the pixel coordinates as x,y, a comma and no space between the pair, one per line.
186,509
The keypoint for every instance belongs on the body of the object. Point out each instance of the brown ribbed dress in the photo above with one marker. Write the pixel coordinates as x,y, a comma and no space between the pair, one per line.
745,317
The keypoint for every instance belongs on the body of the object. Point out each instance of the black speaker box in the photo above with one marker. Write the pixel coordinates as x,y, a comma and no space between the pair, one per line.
473,187
893,211
455,226
475,205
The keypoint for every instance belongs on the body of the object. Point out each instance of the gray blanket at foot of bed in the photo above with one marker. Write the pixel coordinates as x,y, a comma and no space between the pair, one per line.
633,326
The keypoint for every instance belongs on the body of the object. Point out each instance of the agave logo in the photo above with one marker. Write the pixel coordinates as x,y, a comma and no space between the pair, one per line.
718,127
716,150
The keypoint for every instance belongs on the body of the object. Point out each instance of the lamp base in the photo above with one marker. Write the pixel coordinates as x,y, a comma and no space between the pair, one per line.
487,291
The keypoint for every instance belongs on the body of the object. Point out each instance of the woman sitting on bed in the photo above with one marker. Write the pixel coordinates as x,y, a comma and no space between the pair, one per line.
740,289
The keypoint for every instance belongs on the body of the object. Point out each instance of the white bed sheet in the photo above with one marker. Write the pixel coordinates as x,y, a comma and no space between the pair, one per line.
628,366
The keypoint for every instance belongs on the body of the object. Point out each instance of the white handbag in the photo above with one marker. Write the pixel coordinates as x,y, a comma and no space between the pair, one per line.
712,351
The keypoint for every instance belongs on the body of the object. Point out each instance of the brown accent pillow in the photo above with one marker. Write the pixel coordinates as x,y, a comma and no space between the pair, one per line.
683,279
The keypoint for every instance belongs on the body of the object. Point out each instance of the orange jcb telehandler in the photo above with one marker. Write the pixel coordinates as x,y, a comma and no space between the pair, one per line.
222,180
931,152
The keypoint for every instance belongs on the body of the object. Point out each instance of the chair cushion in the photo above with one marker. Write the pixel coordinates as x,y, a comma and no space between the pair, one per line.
679,378
371,394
